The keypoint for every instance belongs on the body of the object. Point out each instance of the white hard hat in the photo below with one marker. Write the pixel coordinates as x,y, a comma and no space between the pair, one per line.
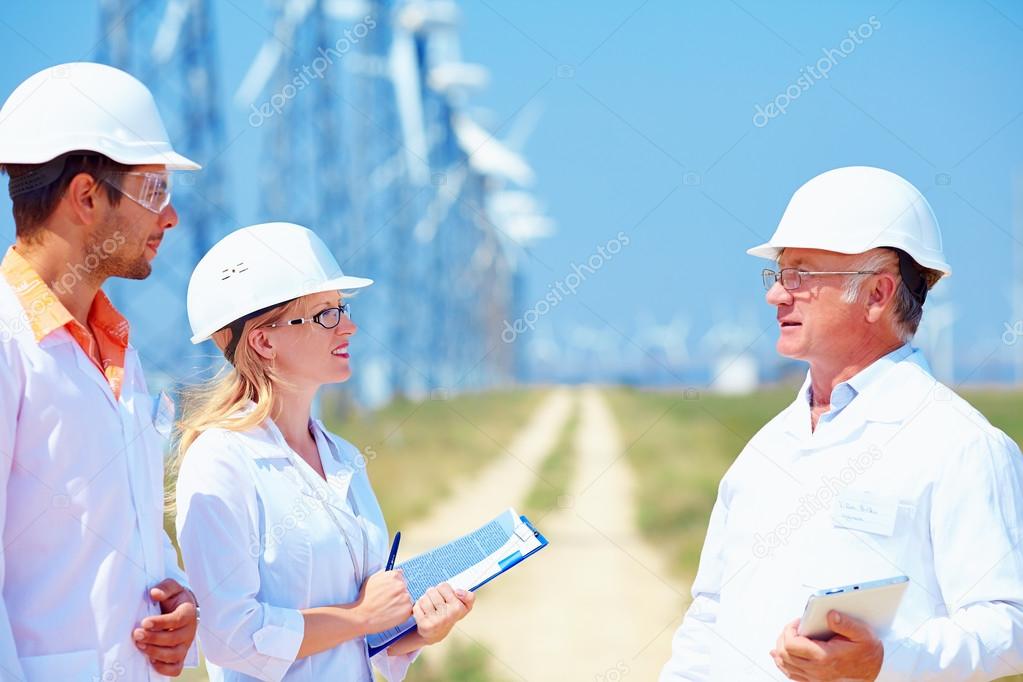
856,209
85,106
258,267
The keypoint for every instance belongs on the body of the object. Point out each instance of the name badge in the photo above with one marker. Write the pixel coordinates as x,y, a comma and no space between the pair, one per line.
865,511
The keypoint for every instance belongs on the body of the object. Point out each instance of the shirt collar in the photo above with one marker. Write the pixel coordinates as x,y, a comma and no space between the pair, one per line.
844,392
895,386
44,311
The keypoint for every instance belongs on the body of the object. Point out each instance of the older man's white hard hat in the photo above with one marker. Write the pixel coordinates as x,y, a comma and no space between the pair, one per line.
855,209
258,267
89,107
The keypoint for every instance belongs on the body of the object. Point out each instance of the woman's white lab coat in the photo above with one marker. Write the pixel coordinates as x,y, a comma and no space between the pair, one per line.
259,544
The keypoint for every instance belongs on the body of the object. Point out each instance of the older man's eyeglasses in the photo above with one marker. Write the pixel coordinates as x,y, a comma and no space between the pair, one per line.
327,318
792,278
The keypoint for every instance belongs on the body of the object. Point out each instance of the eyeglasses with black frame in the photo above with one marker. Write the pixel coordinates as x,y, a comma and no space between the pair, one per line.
792,278
328,318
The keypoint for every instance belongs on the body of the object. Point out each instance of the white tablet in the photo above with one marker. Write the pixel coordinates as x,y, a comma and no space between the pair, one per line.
873,602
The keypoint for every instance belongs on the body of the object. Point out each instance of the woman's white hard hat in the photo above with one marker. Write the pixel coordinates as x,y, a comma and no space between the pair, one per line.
85,106
258,267
855,209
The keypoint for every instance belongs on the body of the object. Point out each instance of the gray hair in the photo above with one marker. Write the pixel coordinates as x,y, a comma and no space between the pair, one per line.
908,310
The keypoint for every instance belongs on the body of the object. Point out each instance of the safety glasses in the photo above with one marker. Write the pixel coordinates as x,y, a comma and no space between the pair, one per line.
152,192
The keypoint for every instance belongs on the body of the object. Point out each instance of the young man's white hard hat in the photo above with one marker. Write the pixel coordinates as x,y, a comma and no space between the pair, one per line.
855,209
83,106
258,267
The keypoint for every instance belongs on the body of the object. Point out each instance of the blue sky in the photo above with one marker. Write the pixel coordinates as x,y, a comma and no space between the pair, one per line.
647,128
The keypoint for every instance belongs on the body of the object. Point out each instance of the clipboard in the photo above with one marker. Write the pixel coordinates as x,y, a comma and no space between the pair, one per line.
504,565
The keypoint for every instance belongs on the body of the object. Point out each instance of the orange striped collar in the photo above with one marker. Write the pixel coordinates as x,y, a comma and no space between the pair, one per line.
46,314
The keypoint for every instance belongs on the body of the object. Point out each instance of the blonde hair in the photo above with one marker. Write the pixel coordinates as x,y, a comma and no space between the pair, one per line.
249,378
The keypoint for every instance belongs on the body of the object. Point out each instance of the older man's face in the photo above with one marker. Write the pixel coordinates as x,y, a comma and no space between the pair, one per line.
815,322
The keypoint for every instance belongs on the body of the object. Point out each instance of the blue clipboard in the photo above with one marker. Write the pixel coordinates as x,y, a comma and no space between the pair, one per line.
505,564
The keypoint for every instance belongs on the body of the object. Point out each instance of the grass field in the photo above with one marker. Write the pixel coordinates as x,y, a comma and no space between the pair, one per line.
676,492
680,446
555,474
464,663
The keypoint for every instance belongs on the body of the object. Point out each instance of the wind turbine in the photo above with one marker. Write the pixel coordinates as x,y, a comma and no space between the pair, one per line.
179,64
666,340
320,138
734,369
469,264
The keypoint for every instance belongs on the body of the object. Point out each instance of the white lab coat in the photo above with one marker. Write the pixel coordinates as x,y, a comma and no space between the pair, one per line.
259,546
81,475
946,493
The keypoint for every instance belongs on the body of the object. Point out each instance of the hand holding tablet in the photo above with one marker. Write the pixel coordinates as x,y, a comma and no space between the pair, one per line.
874,602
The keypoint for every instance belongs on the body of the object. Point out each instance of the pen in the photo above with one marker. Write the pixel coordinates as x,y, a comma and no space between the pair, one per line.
394,551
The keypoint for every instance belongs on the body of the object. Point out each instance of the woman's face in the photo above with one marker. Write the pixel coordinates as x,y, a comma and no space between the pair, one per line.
307,354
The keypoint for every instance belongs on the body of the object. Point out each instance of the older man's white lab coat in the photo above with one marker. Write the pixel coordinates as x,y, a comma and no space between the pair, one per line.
939,498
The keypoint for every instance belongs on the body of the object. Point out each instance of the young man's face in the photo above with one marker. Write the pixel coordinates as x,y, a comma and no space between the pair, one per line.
128,239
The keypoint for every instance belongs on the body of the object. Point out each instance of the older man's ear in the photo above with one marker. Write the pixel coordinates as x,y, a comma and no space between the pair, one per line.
881,296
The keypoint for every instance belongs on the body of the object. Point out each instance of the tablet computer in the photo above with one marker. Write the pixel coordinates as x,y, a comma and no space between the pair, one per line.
873,602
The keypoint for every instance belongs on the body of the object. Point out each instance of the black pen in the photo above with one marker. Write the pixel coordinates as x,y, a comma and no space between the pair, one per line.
394,551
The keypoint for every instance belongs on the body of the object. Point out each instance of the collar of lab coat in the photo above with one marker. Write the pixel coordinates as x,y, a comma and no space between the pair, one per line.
894,390
271,435
129,382
339,464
